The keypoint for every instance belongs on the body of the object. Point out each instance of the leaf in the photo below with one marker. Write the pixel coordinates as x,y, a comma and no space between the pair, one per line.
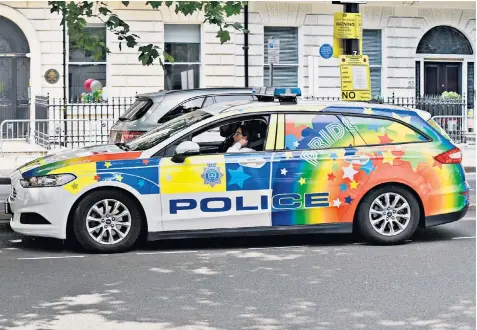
168,57
232,8
223,35
154,4
125,3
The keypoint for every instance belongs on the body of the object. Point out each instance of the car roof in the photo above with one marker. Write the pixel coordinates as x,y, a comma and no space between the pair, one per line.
197,91
245,106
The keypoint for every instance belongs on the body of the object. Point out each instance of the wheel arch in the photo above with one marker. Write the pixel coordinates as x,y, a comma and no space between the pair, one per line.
387,184
69,223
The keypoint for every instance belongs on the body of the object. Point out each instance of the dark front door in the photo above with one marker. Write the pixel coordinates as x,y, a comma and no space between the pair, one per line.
14,74
442,77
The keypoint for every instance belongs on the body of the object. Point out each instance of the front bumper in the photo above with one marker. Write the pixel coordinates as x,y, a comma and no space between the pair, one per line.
441,219
50,205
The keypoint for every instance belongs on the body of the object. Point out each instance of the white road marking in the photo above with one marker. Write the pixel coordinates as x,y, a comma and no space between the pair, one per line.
165,252
43,258
467,219
463,237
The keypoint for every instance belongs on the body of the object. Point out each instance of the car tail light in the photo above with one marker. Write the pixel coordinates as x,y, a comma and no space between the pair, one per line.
130,135
453,156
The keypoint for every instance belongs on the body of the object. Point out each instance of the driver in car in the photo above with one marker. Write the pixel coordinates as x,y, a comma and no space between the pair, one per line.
240,140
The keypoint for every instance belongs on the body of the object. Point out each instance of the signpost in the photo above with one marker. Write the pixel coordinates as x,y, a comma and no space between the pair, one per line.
354,67
273,55
355,78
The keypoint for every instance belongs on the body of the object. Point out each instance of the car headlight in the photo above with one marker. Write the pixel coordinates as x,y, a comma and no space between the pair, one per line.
54,180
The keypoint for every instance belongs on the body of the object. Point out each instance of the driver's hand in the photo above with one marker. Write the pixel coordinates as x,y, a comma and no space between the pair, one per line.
243,142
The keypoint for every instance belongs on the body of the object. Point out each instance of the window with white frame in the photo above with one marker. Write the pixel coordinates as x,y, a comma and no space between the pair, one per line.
182,42
285,73
372,46
82,65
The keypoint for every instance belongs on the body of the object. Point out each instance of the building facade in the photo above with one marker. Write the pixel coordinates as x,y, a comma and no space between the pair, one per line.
415,48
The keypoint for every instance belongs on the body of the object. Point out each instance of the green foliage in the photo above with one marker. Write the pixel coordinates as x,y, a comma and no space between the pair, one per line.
450,95
75,16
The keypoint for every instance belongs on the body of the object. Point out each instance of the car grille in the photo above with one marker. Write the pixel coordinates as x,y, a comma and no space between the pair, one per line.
13,194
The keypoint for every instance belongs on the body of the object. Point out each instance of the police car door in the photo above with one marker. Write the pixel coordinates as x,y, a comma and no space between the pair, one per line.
218,190
316,171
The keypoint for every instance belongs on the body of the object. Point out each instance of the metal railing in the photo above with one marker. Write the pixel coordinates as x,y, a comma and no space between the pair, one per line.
435,105
53,134
55,108
460,129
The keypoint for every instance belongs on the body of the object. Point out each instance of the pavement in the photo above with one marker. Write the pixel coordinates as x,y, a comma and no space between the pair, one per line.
278,282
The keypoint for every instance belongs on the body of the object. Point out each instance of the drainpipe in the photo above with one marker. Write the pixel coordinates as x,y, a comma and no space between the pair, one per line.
245,47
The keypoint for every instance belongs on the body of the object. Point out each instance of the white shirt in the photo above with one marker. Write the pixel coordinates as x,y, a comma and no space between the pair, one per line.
237,147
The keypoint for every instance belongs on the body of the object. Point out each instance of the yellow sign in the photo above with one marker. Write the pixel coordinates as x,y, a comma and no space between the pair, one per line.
355,78
348,26
337,47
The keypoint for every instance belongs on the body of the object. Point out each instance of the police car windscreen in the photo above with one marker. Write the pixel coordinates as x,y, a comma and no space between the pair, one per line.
166,130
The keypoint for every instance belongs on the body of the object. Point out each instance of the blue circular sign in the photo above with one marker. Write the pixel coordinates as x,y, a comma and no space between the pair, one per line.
326,51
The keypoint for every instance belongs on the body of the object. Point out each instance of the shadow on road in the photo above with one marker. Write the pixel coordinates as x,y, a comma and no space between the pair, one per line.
39,244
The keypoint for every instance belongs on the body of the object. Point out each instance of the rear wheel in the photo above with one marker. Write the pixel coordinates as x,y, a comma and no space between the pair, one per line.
107,222
388,215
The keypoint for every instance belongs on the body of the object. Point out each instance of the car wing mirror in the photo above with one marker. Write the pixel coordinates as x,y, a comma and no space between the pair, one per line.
184,150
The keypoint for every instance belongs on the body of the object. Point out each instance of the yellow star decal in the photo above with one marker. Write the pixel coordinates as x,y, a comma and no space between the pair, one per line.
107,164
388,157
288,154
119,177
302,181
353,184
400,129
368,111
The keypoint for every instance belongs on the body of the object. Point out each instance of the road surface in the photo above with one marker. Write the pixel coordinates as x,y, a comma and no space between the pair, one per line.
293,282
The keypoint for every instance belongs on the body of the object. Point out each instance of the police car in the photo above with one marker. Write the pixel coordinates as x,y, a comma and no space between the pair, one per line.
313,167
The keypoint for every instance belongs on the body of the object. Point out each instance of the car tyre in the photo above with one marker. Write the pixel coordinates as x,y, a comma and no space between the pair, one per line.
81,226
377,224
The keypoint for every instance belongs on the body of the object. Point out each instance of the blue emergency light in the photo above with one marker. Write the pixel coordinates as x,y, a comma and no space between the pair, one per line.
282,94
281,91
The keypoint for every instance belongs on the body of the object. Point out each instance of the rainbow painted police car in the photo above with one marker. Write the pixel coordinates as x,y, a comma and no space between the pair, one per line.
314,167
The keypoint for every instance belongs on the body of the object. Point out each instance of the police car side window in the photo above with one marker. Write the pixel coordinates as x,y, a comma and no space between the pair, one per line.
377,131
315,131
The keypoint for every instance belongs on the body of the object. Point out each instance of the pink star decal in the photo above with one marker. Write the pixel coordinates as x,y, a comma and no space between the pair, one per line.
385,139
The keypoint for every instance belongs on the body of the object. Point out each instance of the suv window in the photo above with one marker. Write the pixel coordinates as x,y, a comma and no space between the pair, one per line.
377,131
187,106
137,109
315,131
228,98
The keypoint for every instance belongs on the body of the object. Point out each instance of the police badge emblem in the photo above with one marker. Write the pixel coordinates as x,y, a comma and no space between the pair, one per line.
212,175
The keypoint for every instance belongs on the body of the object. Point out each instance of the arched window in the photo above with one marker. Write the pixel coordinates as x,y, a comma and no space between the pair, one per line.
444,40
12,39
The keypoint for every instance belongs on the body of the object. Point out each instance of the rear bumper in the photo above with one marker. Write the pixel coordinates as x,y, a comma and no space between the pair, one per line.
441,219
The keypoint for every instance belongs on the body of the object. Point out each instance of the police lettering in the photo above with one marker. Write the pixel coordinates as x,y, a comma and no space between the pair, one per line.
289,201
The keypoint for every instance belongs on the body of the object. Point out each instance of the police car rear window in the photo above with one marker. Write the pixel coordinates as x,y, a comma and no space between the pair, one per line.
137,110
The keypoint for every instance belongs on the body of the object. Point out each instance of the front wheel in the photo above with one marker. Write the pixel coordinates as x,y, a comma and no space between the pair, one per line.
107,222
388,215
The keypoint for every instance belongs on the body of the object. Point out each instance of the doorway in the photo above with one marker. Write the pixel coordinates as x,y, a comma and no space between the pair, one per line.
14,72
442,77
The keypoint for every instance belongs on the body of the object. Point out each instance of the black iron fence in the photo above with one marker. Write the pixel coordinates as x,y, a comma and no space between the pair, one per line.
55,108
435,105
72,125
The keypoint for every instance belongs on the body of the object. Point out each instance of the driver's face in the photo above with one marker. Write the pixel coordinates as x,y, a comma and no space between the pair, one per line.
238,135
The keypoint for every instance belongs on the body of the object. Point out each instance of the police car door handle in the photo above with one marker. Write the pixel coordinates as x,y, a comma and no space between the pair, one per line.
253,163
